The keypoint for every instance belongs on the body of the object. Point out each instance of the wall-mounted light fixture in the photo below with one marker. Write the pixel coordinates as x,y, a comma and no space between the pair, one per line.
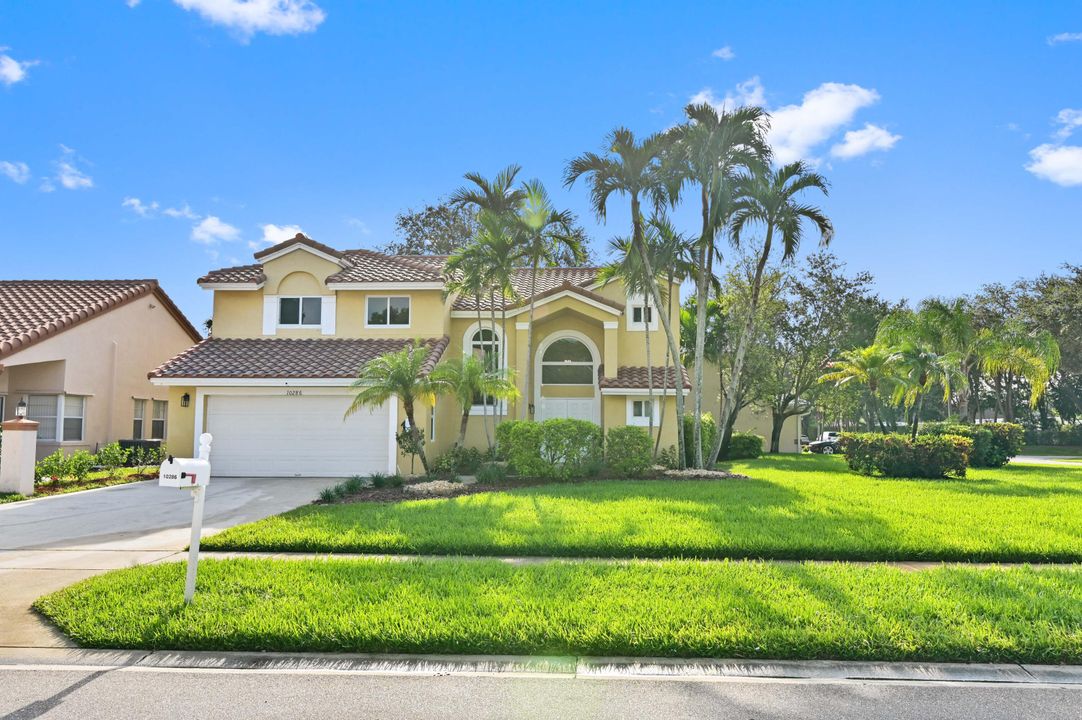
185,400
20,409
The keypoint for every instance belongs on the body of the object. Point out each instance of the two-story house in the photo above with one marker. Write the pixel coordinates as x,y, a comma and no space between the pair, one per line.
291,332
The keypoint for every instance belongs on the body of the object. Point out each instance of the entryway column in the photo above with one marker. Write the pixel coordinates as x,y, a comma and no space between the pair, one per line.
521,363
611,359
17,456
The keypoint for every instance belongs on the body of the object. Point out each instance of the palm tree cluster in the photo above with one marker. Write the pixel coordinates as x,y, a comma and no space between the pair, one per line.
756,207
941,346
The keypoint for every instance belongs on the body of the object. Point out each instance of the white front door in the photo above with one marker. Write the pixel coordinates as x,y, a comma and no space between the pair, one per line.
296,436
577,408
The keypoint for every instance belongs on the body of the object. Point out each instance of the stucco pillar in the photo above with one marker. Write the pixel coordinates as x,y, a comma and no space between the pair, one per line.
611,359
521,363
17,456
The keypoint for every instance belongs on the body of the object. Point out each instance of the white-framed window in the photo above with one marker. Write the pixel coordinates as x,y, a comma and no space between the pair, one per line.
432,423
567,361
488,348
300,311
139,413
44,409
387,311
640,410
641,314
160,408
74,415
60,418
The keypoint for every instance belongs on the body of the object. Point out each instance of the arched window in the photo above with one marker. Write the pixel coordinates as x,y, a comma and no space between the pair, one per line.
567,361
486,346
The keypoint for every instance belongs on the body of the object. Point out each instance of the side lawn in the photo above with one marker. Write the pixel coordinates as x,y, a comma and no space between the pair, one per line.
676,608
793,507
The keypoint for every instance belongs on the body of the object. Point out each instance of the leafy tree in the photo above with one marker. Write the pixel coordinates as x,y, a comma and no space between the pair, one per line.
920,369
398,376
468,379
771,200
869,366
632,168
439,229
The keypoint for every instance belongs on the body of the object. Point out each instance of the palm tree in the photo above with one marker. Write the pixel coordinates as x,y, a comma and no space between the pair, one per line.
872,367
498,196
770,199
632,168
546,234
469,378
710,151
1013,350
919,368
464,274
398,375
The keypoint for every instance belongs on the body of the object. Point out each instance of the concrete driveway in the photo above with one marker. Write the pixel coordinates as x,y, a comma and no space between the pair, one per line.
52,542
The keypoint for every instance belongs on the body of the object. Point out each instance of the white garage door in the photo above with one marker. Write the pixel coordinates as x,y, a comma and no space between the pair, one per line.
279,436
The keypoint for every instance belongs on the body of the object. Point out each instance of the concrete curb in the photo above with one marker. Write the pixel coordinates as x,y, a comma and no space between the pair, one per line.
595,668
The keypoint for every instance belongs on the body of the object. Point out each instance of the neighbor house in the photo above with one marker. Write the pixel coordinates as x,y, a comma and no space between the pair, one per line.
76,353
291,331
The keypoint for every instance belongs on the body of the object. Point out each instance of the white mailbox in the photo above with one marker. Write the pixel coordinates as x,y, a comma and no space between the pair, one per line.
192,474
183,472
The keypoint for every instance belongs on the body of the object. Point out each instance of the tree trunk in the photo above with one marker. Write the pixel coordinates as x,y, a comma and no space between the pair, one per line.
528,384
494,349
664,383
480,328
462,427
749,325
705,258
649,366
651,278
777,425
415,435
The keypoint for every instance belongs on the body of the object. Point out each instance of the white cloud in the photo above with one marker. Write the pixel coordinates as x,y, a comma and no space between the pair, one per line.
1065,38
724,53
138,207
359,224
248,17
1061,164
274,234
183,212
17,171
211,231
12,70
133,3
749,92
1069,120
68,173
860,142
47,185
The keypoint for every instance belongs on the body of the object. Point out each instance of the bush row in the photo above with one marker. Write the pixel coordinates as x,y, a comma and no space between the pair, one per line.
1062,435
928,456
994,444
112,457
742,446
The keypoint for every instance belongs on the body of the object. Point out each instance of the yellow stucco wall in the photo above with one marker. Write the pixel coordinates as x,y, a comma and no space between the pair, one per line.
751,419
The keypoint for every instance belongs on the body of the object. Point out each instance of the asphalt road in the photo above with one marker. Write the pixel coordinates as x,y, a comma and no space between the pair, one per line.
87,693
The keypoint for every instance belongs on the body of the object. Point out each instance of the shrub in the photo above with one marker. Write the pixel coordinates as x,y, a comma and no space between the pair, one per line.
354,485
112,457
53,467
503,437
994,444
709,437
382,480
559,448
457,461
667,457
929,456
628,451
328,495
744,445
491,473
79,464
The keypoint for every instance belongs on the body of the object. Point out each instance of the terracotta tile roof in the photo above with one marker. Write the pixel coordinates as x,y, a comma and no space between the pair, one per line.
286,358
239,274
549,280
33,310
372,266
634,378
298,239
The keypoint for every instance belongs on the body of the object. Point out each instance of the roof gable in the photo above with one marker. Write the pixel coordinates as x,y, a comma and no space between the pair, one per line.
299,242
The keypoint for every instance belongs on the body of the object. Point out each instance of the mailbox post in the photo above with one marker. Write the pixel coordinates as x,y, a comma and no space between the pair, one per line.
192,474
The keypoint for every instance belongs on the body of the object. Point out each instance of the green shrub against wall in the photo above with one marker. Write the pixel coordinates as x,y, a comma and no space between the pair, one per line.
994,444
560,448
53,466
503,436
457,461
710,435
929,456
744,445
628,451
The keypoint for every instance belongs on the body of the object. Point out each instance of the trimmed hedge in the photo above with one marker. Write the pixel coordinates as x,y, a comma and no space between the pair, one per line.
994,444
710,436
628,451
744,446
503,437
1063,435
929,456
560,448
458,461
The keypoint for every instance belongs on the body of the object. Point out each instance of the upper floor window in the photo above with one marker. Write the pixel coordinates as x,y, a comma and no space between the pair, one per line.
388,311
300,311
641,314
567,361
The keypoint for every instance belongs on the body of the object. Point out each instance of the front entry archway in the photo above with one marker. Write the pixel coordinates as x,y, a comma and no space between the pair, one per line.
565,369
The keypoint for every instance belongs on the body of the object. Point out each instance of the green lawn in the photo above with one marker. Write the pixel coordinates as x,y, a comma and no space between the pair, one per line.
794,507
673,608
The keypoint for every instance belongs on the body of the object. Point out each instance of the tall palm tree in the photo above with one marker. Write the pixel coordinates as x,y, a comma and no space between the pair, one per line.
919,368
464,275
632,168
546,234
498,196
469,378
872,367
398,375
711,151
1014,350
771,200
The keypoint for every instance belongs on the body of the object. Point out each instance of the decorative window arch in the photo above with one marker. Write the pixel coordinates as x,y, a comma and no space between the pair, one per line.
488,346
567,361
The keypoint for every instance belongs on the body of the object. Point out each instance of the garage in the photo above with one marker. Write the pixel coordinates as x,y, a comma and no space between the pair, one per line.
299,434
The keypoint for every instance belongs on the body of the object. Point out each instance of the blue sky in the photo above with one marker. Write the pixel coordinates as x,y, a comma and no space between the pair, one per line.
160,138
